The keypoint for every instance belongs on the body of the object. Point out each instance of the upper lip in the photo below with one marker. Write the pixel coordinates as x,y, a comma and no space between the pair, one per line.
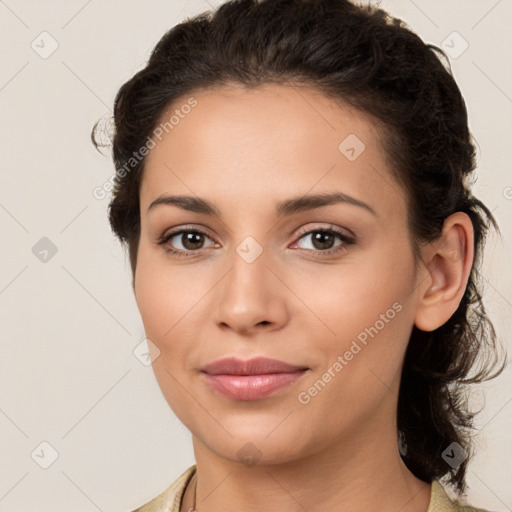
255,366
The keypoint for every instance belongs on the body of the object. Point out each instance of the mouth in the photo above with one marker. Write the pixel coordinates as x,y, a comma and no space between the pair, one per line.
253,379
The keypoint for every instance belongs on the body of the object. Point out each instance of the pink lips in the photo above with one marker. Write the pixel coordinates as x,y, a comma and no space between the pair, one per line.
252,379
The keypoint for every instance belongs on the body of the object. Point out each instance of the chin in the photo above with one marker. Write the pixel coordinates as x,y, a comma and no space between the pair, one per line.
257,443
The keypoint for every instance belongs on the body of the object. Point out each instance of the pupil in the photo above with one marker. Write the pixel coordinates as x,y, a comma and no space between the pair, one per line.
189,239
319,238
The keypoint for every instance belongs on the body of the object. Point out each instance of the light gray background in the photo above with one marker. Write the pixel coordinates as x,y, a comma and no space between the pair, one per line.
68,375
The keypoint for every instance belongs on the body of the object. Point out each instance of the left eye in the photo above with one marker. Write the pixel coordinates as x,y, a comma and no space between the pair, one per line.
323,239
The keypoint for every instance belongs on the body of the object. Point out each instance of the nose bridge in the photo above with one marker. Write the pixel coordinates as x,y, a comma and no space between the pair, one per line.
249,294
248,277
249,263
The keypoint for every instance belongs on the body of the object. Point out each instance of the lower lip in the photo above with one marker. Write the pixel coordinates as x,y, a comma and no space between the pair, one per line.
252,387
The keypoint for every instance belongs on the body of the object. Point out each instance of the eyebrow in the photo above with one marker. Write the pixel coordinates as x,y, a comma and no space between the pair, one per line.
283,209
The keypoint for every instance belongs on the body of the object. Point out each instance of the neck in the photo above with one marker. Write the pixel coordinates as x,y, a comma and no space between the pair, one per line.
363,474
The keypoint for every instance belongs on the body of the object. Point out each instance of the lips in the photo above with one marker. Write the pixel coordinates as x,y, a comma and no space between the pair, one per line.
256,366
250,380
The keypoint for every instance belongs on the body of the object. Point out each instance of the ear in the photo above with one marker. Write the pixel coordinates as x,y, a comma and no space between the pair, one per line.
448,261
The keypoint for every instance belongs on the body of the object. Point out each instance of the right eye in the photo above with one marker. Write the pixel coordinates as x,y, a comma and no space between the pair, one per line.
191,241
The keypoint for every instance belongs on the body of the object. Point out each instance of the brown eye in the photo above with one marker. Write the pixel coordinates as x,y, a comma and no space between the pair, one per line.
191,240
324,240
184,241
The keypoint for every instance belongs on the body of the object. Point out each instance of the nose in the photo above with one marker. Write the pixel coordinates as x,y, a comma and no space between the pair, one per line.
251,298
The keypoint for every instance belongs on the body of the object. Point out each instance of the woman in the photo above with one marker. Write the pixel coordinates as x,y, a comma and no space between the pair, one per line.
292,186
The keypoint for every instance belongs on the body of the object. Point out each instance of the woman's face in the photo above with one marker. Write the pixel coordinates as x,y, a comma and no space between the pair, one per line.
328,288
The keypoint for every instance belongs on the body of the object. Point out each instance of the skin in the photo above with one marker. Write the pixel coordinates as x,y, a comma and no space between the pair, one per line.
245,151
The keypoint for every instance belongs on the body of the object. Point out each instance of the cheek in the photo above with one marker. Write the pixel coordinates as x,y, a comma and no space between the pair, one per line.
364,319
163,309
165,295
172,302
361,371
346,301
152,299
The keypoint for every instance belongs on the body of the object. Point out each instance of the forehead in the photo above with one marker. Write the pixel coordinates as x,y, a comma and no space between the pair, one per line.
272,141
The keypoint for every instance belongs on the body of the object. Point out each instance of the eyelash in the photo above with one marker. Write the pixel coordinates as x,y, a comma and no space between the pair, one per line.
347,241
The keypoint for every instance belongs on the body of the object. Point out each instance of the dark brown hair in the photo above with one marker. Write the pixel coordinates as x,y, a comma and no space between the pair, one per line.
360,56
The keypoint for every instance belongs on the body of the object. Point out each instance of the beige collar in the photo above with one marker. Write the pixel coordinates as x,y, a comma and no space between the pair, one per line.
170,499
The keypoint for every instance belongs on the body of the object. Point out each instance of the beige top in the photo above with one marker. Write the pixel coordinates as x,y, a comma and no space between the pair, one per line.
170,499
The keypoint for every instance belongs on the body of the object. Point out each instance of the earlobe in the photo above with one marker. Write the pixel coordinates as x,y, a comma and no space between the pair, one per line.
448,262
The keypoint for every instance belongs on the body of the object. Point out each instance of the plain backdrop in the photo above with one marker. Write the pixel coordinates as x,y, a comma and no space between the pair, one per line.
83,424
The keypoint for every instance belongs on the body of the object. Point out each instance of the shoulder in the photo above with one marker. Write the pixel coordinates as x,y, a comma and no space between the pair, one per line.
441,502
170,499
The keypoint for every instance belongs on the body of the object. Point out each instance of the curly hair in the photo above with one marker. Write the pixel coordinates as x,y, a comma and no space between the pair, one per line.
361,56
